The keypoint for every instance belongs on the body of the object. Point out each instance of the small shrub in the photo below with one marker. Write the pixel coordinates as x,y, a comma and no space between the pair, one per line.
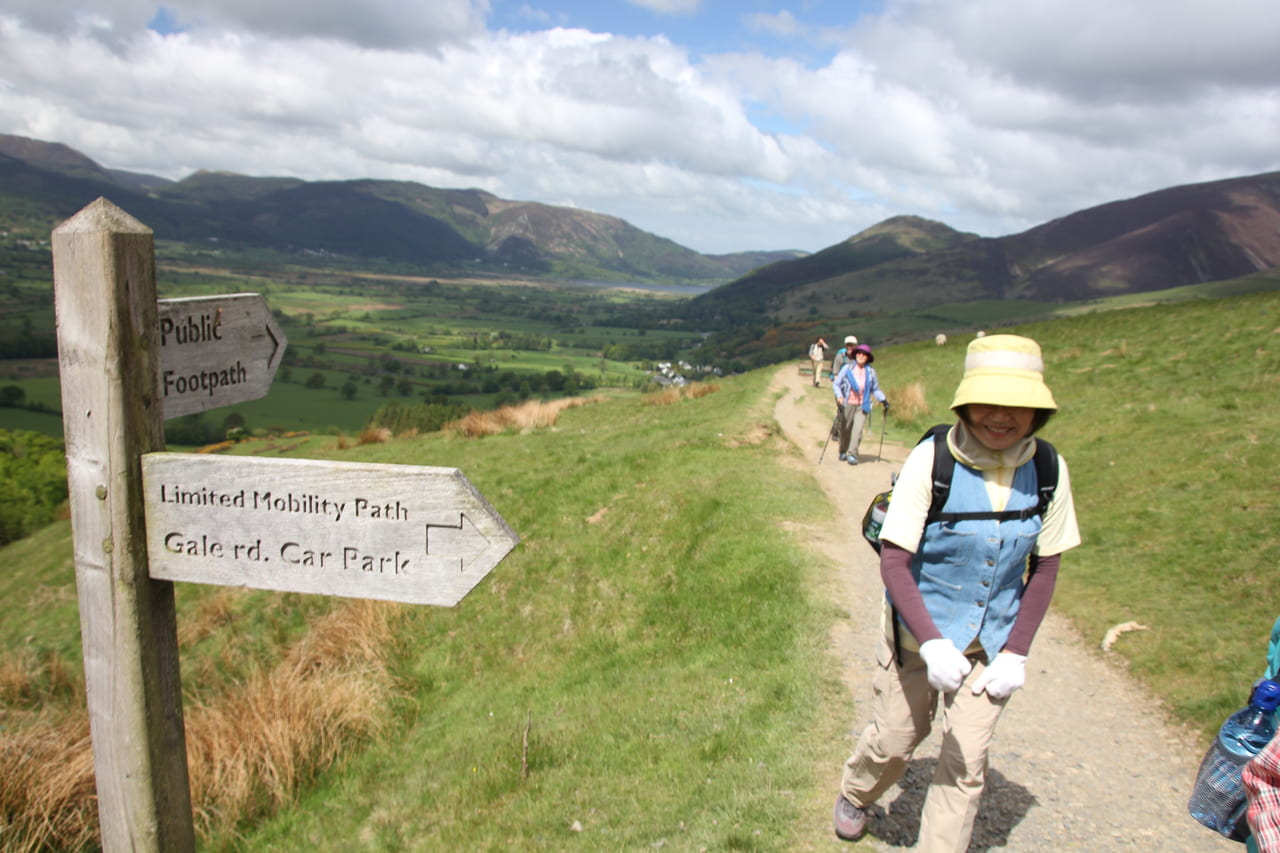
671,396
665,397
374,435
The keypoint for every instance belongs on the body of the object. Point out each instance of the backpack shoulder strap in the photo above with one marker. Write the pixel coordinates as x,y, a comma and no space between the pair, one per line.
1046,460
944,468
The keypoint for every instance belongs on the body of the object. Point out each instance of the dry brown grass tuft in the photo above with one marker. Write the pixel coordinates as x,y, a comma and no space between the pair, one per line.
248,749
374,435
671,396
28,682
665,397
535,414
700,389
908,402
211,613
17,682
218,447
47,792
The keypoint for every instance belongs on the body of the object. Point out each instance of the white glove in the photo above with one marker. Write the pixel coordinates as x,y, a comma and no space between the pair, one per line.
1002,676
947,667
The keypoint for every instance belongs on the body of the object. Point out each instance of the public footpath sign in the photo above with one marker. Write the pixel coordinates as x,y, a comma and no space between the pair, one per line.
408,533
216,351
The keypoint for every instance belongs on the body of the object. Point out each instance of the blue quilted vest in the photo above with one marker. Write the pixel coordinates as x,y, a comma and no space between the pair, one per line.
971,572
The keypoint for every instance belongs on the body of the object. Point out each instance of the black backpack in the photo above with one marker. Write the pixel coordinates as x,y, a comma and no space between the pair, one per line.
944,466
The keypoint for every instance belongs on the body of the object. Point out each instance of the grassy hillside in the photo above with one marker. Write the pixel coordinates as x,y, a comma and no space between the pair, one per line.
649,667
665,669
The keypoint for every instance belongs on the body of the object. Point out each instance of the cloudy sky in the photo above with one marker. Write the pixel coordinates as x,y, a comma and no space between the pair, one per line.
724,125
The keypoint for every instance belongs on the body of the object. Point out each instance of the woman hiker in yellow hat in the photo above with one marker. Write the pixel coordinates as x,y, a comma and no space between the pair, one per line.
963,598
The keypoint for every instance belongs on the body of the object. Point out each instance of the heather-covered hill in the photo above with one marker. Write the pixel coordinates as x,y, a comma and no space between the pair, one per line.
1178,236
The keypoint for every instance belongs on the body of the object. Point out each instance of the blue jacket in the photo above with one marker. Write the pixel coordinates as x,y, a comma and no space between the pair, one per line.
844,382
970,573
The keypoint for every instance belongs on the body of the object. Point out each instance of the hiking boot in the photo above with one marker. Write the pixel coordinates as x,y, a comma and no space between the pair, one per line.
843,457
850,821
851,459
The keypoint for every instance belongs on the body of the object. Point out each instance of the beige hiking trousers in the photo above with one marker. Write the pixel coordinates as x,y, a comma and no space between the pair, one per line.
817,369
903,711
852,426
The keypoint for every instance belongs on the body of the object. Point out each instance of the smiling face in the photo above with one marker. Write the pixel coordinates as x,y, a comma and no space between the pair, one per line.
860,357
999,427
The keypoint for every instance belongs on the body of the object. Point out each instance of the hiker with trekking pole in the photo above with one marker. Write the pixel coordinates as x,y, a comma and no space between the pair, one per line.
855,387
979,505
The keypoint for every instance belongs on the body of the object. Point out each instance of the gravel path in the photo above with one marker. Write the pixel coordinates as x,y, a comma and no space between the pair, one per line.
1081,761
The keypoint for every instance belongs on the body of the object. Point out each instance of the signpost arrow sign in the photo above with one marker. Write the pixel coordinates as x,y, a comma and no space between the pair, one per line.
414,534
216,351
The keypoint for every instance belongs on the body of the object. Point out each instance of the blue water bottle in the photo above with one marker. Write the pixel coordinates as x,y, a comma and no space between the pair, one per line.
1218,800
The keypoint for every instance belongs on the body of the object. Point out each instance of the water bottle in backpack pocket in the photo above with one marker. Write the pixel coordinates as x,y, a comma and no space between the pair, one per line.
1218,799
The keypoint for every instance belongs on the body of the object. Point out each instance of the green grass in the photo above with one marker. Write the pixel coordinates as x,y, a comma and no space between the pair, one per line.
667,661
18,419
657,634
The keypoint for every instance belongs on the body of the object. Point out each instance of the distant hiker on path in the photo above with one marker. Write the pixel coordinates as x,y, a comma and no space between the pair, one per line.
855,386
843,356
959,618
817,358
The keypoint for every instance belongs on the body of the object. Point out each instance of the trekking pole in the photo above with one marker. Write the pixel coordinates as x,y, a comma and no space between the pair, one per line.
884,420
835,421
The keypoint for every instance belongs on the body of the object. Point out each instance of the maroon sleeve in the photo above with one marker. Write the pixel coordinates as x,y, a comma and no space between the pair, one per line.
1035,603
895,571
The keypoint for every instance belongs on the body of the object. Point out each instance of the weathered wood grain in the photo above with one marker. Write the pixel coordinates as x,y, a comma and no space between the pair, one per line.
105,302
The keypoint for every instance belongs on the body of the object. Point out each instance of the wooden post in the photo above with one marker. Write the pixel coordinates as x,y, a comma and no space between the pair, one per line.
108,358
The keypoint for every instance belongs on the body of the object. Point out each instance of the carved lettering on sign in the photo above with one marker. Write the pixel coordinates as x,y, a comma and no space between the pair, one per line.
396,532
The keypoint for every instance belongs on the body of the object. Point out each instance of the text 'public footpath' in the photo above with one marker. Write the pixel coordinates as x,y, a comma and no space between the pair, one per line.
201,329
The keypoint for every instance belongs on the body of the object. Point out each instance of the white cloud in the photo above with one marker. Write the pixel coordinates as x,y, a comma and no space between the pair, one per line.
370,23
781,23
668,7
990,115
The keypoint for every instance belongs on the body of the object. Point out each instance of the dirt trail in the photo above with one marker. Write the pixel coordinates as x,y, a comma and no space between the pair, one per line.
1079,762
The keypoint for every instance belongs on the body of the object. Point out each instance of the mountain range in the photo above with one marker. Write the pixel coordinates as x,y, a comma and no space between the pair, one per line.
1182,235
399,222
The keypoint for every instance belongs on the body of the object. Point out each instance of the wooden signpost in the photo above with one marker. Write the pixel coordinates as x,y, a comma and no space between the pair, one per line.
142,519
108,348
216,351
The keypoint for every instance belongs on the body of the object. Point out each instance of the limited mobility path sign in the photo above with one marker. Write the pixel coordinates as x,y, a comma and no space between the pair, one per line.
408,533
216,351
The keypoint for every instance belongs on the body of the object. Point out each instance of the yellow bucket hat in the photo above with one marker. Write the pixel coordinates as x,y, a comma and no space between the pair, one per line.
1004,370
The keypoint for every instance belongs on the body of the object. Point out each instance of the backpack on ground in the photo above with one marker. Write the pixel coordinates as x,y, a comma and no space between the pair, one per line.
944,466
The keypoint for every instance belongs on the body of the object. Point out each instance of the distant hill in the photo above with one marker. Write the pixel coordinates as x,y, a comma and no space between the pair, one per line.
396,221
758,292
1179,236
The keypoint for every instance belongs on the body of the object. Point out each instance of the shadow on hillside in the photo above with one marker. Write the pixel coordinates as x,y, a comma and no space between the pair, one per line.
1004,804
